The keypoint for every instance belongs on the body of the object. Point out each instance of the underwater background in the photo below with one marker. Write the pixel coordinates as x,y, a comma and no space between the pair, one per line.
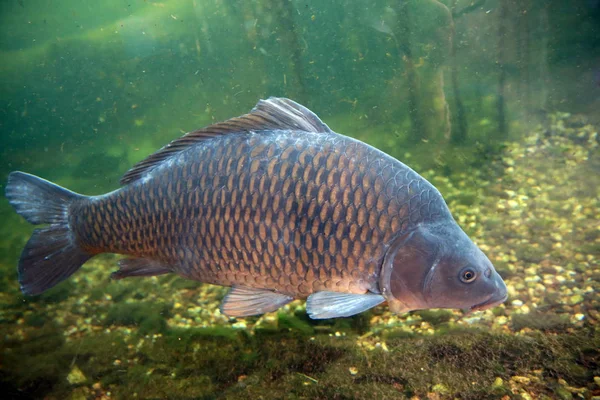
494,102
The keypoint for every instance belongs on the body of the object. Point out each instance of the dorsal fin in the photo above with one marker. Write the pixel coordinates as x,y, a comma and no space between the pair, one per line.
273,113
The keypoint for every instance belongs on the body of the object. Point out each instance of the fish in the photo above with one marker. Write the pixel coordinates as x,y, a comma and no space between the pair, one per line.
274,205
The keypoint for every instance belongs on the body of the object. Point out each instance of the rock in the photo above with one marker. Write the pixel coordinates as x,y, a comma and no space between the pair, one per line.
521,379
563,393
575,299
79,394
498,383
76,377
440,388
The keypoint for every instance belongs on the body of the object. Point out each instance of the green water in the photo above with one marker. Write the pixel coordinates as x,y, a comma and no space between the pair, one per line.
495,102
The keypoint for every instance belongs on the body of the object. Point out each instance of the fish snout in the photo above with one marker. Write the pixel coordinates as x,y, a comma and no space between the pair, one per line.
501,289
499,292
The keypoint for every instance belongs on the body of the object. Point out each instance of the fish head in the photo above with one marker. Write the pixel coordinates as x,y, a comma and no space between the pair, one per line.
439,267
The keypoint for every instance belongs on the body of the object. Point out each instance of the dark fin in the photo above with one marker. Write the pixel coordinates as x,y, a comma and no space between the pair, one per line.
38,200
274,113
323,305
51,254
243,301
139,267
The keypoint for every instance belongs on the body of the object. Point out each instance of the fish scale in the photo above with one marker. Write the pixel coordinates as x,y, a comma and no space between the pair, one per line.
284,210
274,204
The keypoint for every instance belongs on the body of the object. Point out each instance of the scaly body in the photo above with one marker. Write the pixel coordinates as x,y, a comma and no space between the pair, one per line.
277,206
295,212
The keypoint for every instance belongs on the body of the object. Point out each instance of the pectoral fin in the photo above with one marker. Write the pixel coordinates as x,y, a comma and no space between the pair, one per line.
243,302
139,267
323,305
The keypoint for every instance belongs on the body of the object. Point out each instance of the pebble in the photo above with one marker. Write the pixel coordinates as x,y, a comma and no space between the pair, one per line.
76,377
575,299
526,396
521,379
532,279
239,325
440,388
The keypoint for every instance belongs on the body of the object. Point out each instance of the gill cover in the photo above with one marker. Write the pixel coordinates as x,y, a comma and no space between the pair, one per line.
408,265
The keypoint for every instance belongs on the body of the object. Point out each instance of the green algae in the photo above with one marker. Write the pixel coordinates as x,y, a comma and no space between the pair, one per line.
295,323
435,317
228,363
541,321
146,318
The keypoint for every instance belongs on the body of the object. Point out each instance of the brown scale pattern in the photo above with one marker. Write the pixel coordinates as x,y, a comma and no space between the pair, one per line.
290,211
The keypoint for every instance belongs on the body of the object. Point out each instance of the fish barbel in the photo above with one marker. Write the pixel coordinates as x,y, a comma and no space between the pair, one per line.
277,206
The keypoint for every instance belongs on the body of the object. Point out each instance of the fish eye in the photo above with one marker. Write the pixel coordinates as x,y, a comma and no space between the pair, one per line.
467,275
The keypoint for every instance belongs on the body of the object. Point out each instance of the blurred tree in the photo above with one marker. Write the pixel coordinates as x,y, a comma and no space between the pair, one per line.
503,17
460,130
283,13
425,30
523,54
404,43
544,33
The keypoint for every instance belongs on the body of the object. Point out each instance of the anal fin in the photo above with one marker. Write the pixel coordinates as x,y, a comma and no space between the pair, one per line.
243,301
139,267
323,305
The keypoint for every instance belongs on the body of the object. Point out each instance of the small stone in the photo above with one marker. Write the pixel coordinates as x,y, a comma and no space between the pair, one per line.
502,320
521,379
526,396
532,279
353,370
575,299
563,393
498,382
516,303
440,388
239,325
79,394
76,377
597,380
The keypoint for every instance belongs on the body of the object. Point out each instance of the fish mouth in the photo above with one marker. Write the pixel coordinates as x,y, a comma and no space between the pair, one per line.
491,302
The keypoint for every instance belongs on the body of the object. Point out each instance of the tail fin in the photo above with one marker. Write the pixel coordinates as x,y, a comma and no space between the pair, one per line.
51,255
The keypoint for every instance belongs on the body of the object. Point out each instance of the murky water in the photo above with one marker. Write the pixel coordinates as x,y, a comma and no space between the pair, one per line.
494,102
